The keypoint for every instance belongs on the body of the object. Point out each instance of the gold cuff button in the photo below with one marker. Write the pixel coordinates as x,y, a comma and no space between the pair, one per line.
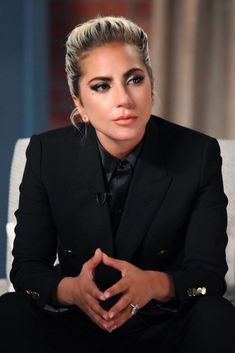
162,252
34,295
201,291
193,292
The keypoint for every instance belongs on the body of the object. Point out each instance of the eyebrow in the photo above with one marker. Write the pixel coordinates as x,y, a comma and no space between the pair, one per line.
108,78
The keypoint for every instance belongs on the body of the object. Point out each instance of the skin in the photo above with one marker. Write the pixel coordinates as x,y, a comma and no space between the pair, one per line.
116,98
115,83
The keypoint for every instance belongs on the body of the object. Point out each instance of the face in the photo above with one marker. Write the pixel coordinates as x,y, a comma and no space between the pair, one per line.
115,96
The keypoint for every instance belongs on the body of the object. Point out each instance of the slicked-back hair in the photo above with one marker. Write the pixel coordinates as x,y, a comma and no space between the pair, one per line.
95,33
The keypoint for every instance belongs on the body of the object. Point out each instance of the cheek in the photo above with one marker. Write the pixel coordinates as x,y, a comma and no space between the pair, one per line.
95,104
100,108
146,99
97,110
99,99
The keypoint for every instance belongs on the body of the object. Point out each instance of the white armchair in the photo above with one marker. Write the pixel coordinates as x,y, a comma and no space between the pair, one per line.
16,173
228,169
227,152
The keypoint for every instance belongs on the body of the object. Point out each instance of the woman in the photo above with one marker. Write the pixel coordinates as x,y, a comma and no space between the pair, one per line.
135,208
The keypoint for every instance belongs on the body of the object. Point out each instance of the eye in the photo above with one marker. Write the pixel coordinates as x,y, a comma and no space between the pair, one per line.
100,87
135,80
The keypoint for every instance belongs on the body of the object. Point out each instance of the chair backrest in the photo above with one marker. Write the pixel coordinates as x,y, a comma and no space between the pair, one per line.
16,173
228,169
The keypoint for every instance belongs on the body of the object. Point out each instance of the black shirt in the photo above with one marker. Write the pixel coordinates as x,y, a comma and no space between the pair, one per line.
110,162
117,183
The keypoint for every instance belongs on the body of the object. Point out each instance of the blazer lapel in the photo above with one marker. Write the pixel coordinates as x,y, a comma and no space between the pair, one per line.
147,191
87,189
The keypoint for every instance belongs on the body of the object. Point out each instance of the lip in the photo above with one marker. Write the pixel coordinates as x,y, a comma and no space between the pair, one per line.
125,119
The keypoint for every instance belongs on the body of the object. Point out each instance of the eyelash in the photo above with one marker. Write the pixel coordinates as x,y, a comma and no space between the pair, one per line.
103,86
136,79
100,87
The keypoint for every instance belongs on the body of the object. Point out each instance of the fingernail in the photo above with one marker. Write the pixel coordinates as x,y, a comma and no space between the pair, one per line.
106,294
102,297
111,315
106,316
106,327
113,328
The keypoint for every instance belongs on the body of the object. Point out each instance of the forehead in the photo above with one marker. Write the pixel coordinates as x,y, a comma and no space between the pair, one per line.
111,57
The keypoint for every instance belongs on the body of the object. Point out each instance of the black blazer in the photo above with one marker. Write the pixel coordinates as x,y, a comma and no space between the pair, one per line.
174,218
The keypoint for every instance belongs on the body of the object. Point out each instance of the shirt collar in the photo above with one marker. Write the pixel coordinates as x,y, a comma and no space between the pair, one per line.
110,162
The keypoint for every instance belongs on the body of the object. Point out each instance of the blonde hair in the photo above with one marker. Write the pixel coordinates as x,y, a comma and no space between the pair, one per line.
95,33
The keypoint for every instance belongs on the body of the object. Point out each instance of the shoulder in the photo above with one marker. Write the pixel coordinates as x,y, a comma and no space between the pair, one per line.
57,148
185,145
59,134
57,139
181,137
177,130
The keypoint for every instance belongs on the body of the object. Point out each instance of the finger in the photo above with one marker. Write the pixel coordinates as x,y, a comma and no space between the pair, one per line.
93,262
96,259
95,292
95,306
115,263
93,309
123,303
117,288
122,318
89,287
99,320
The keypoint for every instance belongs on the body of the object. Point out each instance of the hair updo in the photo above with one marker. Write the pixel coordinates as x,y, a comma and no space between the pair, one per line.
95,33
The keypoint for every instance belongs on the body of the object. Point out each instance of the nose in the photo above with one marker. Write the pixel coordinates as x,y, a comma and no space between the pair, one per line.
124,98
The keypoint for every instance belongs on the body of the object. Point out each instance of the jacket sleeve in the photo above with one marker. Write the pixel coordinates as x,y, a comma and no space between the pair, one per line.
35,243
204,265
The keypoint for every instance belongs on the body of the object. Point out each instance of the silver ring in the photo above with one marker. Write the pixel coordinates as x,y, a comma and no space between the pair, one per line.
134,309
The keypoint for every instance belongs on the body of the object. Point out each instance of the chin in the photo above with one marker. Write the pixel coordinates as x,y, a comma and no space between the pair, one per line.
131,136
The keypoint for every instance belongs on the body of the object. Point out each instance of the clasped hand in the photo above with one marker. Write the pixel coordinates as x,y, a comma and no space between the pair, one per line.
136,286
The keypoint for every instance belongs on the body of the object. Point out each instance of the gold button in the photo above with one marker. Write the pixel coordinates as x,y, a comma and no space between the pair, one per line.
162,252
192,292
204,290
201,290
34,295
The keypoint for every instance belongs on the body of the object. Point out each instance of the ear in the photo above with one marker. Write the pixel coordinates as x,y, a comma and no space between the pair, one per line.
81,109
79,105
